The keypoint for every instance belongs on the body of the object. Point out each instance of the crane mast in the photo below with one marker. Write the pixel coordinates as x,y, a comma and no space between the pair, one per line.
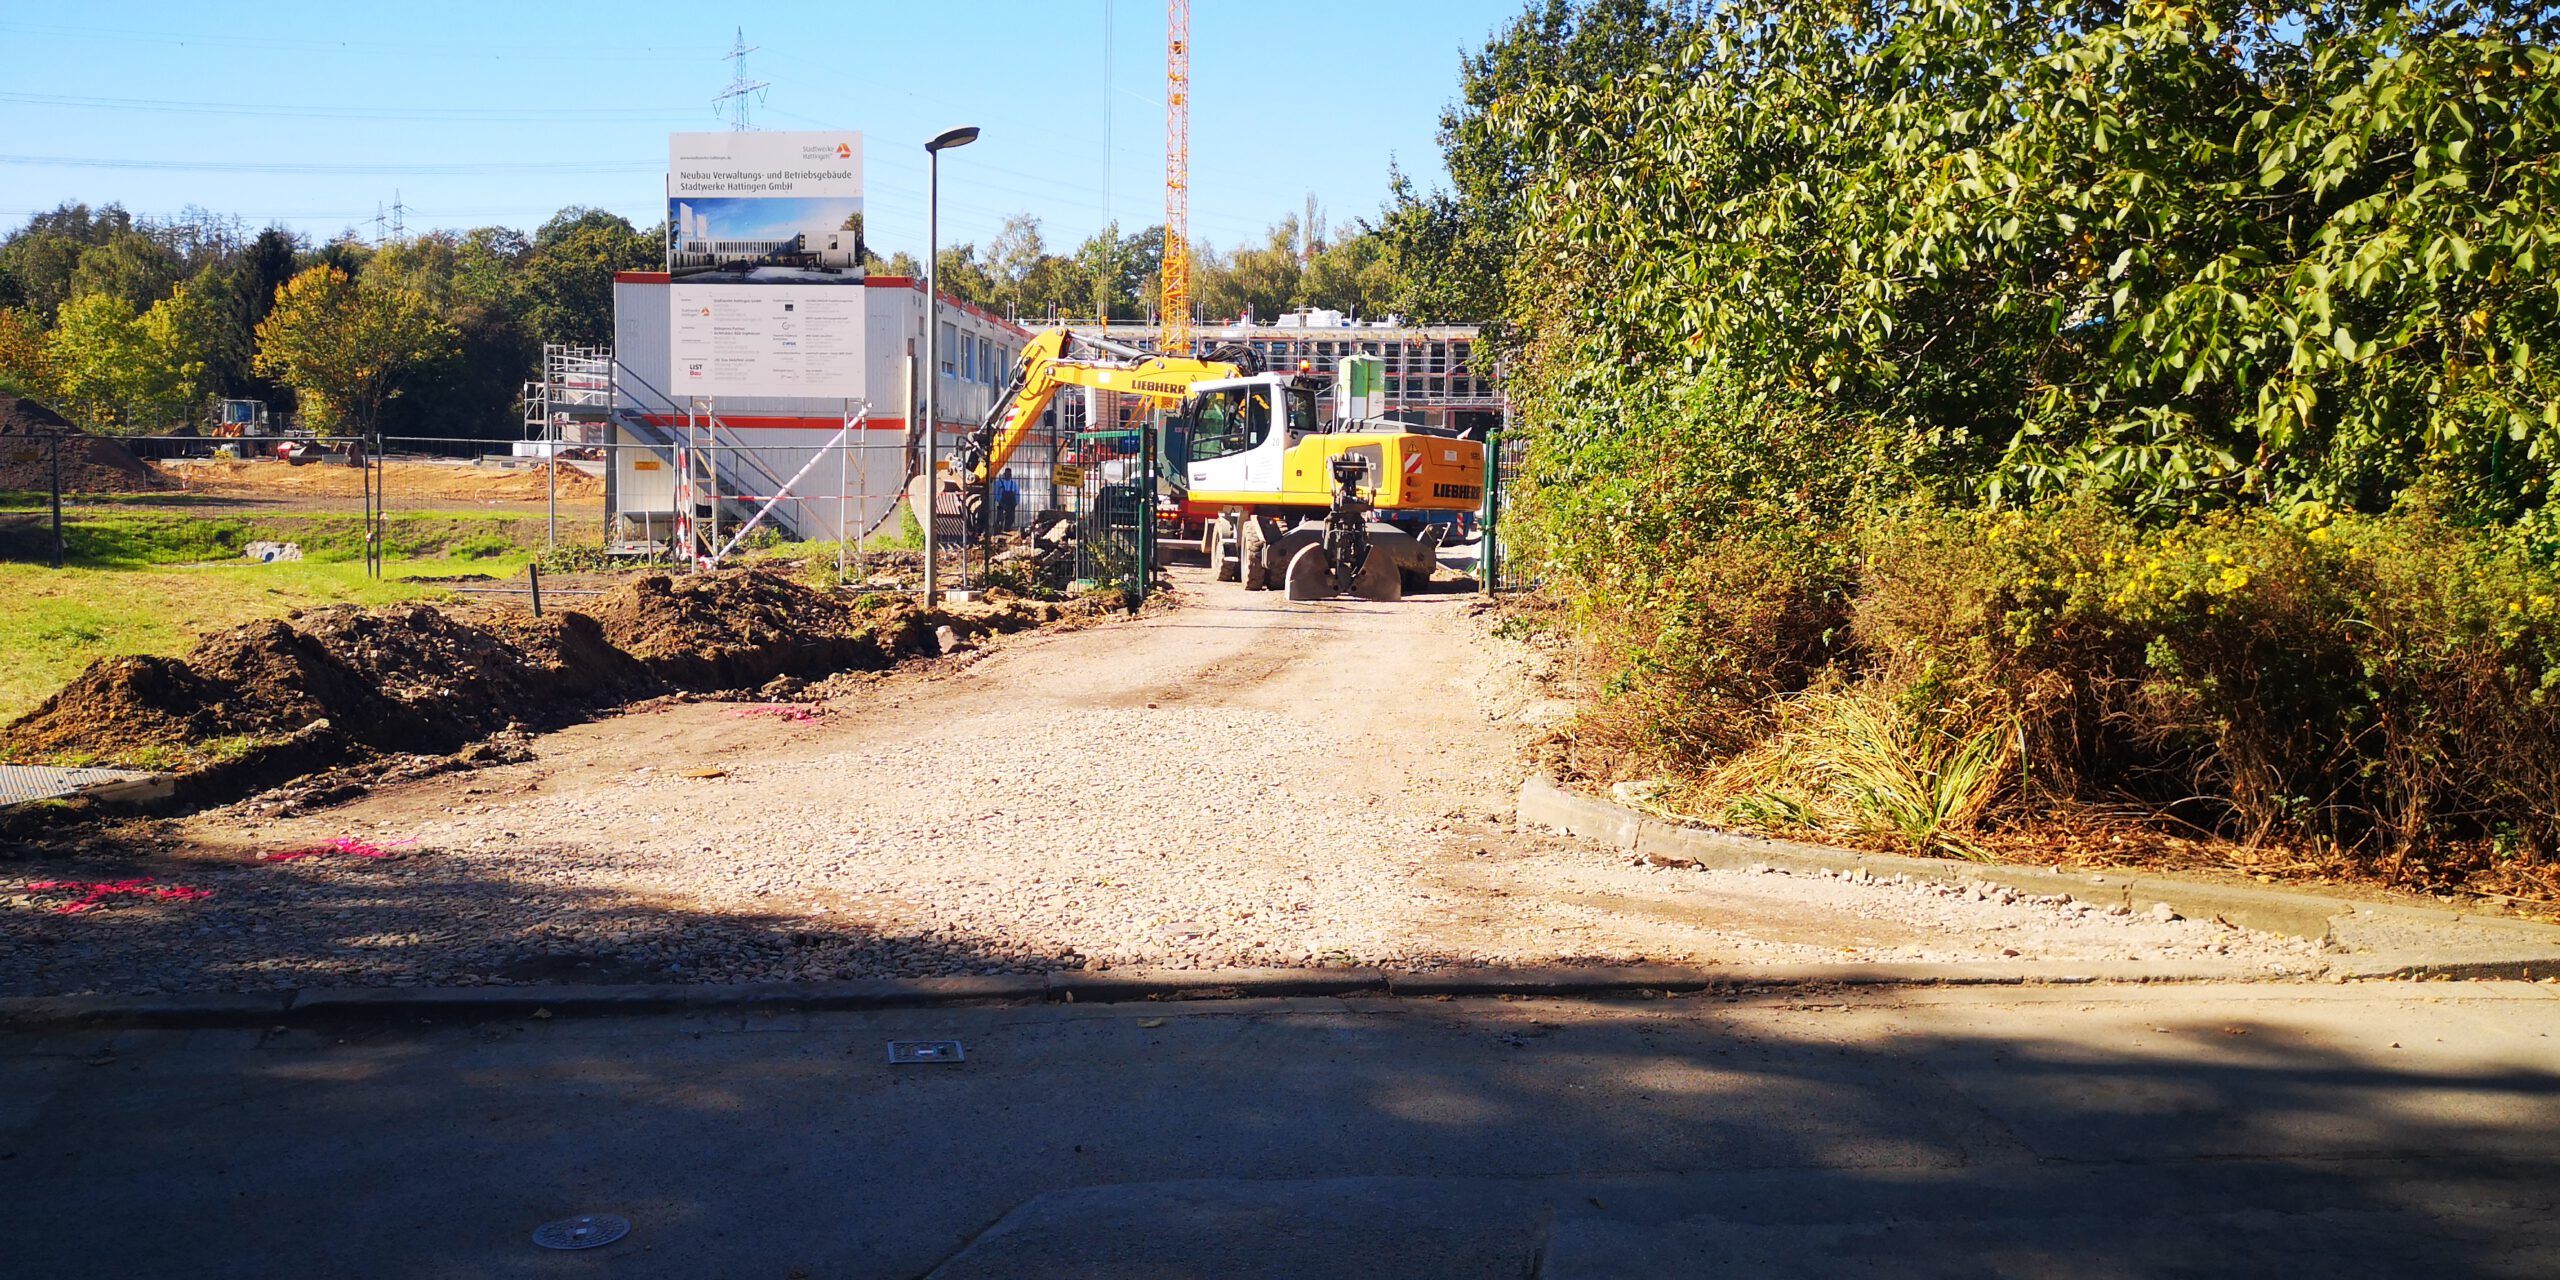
1174,302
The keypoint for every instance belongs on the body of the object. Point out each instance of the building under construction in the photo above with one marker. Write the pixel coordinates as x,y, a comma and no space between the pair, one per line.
1433,375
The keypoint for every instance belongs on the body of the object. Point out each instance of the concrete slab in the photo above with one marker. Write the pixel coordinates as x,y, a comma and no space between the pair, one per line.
1224,1229
1749,1124
2056,1223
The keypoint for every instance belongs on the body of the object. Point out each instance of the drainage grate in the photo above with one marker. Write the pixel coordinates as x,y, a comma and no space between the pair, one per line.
586,1231
907,1052
25,783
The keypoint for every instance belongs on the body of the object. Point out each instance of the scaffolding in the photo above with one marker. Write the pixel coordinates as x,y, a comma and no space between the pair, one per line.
572,403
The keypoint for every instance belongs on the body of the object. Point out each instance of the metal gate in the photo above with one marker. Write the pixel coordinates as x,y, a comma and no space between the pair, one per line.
1506,458
1115,506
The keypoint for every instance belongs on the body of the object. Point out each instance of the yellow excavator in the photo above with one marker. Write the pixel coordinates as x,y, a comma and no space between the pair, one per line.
1287,501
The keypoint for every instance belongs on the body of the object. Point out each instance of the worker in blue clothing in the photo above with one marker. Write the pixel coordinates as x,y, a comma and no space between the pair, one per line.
1008,496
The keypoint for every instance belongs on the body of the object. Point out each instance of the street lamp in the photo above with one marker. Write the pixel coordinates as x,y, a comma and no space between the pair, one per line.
933,150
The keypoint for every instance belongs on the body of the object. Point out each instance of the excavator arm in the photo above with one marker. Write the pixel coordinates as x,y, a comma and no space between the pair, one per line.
1057,359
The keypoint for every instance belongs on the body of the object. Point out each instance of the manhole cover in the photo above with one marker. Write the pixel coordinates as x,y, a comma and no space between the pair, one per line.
903,1052
586,1231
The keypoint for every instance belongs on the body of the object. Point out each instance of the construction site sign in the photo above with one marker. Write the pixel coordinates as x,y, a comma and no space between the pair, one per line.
764,208
766,340
764,233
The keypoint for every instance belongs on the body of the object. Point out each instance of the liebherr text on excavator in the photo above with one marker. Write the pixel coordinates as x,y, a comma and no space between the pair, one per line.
1300,504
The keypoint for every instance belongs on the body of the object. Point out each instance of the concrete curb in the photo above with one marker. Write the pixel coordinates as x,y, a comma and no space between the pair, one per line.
2453,943
1107,986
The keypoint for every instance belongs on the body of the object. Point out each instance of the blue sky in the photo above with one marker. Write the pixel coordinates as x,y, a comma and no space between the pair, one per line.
311,114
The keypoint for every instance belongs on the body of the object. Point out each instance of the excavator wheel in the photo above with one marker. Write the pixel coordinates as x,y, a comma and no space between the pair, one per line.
1225,555
1253,555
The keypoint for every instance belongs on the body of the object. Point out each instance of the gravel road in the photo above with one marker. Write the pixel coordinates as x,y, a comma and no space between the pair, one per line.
1238,781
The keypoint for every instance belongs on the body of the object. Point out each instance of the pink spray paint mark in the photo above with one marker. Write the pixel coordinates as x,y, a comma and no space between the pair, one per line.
777,710
348,845
97,893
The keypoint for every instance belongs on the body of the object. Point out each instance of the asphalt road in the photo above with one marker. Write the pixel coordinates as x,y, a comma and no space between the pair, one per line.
2276,1128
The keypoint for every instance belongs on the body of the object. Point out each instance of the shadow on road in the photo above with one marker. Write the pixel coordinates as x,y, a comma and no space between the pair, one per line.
2222,1131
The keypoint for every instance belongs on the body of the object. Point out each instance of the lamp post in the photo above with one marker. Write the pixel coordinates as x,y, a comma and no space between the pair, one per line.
933,150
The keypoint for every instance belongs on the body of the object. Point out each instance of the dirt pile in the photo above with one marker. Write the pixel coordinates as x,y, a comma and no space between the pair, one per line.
416,678
738,628
90,464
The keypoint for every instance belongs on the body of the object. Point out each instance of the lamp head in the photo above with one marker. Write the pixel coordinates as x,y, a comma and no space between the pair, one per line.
949,138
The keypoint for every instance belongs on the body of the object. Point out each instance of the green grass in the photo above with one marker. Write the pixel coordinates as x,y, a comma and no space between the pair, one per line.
135,539
154,584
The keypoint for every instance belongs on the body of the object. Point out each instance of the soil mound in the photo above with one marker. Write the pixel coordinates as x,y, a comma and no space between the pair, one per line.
90,464
730,628
404,679
417,679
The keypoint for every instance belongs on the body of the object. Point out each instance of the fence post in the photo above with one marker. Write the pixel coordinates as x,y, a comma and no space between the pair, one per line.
57,498
533,574
551,493
1488,568
844,484
1147,505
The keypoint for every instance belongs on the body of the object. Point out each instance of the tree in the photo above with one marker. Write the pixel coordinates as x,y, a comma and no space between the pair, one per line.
428,264
1450,251
487,265
958,272
567,277
2177,258
23,368
37,261
114,369
1104,287
1354,274
241,290
1011,258
1261,282
345,348
176,378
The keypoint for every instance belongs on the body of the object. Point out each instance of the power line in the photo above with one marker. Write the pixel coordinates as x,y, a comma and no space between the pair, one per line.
505,115
488,168
403,48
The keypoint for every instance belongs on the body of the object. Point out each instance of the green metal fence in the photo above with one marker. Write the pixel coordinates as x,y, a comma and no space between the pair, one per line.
1115,492
1505,458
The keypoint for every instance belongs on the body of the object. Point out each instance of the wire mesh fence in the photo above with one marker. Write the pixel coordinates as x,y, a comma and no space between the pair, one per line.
700,493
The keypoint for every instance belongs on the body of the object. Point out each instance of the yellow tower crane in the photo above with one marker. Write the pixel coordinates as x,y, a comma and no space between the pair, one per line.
1174,301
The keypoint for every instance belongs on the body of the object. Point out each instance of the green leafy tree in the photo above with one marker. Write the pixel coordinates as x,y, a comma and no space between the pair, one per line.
1355,274
346,348
38,259
487,264
959,273
130,265
242,290
115,369
1451,251
2179,257
1011,257
567,277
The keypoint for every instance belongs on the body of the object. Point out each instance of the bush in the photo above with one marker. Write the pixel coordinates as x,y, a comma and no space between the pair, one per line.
2384,688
